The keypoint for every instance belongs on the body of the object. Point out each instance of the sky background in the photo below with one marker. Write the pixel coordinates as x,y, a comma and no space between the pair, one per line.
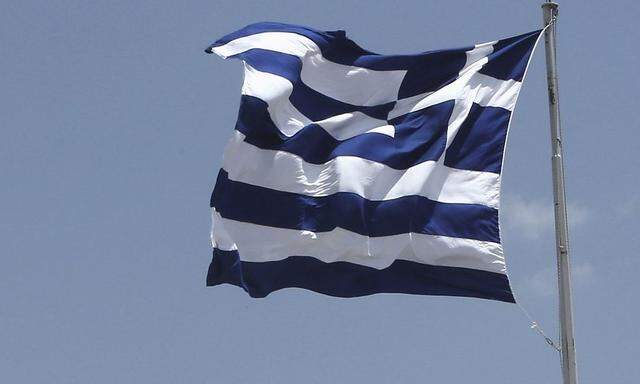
112,126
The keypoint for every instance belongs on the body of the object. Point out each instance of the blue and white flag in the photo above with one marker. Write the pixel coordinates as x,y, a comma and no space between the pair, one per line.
352,173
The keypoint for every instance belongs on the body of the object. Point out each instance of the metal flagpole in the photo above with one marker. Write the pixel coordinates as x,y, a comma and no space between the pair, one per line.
568,351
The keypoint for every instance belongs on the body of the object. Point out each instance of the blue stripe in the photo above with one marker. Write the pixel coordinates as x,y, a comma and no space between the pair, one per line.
510,57
263,206
311,103
426,72
336,47
420,136
344,279
479,143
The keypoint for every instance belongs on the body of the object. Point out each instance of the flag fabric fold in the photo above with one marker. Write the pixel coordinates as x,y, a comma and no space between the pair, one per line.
351,173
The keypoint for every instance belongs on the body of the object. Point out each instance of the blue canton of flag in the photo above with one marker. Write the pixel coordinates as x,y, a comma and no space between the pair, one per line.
351,173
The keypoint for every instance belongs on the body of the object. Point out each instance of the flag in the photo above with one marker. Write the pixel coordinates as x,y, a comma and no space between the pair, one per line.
351,173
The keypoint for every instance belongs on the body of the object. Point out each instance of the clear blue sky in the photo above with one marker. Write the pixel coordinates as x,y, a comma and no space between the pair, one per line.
112,124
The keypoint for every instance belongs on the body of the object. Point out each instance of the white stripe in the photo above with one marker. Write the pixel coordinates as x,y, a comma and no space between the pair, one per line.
275,91
287,172
352,124
257,243
471,88
349,84
366,87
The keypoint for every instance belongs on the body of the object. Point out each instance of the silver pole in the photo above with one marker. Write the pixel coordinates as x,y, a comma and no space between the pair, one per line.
568,351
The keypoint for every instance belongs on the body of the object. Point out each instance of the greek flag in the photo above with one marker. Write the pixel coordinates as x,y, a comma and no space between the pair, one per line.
351,173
